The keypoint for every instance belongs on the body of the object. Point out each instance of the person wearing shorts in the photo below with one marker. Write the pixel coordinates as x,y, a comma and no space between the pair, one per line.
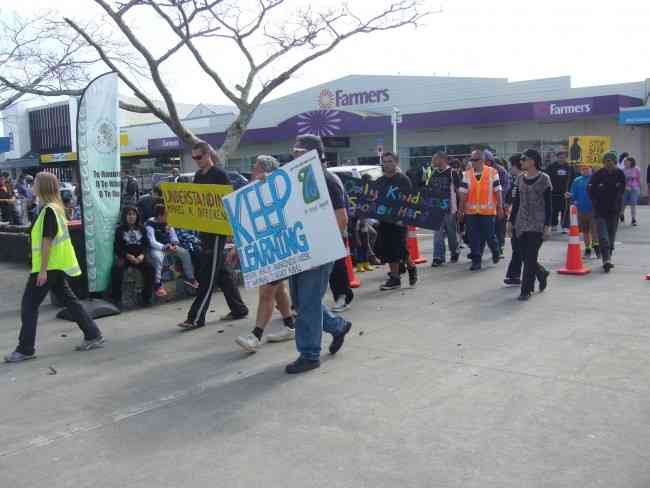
580,198
632,188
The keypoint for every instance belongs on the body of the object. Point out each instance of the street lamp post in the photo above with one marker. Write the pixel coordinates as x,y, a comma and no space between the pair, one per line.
397,119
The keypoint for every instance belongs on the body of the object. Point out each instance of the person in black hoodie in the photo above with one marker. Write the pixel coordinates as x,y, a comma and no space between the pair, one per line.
562,176
131,245
606,188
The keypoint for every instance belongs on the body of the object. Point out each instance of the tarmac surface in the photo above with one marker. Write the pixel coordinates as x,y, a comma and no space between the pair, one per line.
452,384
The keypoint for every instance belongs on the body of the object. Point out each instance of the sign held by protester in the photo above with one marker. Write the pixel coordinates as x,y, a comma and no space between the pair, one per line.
286,224
425,207
197,207
588,150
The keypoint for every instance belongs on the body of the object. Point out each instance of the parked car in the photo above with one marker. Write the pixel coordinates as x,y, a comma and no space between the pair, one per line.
237,180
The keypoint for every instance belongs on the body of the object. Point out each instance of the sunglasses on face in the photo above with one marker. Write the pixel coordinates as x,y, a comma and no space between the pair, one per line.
197,158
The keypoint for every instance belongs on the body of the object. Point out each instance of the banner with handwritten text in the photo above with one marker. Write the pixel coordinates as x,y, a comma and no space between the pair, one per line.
197,207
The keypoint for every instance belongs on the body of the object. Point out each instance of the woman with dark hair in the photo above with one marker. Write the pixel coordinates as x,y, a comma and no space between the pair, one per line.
130,247
632,188
532,209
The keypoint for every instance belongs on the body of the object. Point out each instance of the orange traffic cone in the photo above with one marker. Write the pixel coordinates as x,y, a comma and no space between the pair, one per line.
414,247
574,265
354,281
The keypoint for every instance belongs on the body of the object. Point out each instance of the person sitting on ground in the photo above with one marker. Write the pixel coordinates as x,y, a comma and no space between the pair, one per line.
131,246
270,293
7,201
163,241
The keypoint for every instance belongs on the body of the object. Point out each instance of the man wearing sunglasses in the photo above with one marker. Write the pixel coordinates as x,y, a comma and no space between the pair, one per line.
210,271
309,287
481,203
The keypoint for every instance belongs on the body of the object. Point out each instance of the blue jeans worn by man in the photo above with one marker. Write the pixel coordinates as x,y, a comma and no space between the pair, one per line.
607,227
307,291
481,231
447,230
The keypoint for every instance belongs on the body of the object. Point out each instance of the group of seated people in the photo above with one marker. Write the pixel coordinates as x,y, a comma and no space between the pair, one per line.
145,247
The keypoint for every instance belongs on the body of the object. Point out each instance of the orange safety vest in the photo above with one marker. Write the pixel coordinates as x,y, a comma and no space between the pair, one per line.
481,197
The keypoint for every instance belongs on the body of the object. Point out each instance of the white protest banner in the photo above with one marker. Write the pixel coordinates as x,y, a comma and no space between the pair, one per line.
285,224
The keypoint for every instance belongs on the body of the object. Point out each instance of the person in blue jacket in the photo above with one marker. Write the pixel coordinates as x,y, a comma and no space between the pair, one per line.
580,198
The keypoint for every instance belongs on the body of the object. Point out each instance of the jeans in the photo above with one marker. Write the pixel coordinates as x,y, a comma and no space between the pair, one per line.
158,257
529,243
607,227
307,291
32,299
448,230
481,231
500,230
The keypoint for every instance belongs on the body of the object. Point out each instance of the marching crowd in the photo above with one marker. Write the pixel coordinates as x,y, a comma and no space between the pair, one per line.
488,200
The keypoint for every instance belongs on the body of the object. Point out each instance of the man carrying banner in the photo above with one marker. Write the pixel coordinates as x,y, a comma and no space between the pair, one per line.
481,204
211,271
309,287
392,236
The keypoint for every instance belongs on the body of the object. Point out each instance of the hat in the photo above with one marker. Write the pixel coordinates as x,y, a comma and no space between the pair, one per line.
610,156
487,155
534,155
309,142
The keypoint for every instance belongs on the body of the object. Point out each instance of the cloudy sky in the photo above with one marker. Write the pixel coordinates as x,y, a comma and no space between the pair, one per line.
593,42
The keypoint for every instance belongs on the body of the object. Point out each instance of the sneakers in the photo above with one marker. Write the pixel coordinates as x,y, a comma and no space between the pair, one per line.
192,283
17,357
475,266
91,344
512,281
524,297
249,342
337,342
496,258
302,365
634,224
360,268
340,305
437,262
392,283
286,334
160,291
543,280
413,276
229,317
454,257
607,267
368,267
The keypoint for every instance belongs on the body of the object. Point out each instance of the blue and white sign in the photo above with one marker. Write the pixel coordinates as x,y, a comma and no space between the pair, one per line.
286,224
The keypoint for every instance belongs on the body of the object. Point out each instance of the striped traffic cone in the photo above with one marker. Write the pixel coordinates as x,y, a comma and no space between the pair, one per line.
414,247
574,265
353,279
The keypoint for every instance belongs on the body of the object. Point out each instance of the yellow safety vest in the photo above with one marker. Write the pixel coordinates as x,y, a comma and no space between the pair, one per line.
62,256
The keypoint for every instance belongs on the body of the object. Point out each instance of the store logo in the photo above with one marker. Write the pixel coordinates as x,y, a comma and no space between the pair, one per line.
319,122
556,109
328,99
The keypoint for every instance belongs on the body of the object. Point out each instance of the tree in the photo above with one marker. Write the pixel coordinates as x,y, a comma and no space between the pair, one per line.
42,56
272,41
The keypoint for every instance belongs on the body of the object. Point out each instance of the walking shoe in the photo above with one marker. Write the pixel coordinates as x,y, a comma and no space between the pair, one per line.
543,280
607,267
475,267
512,281
634,224
437,262
229,317
413,276
192,284
248,343
91,344
340,305
368,267
392,283
359,268
17,357
454,257
337,342
302,365
286,334
524,297
496,258
160,291
587,253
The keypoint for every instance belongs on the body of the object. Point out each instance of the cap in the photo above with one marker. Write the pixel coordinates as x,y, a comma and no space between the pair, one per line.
309,142
487,155
610,156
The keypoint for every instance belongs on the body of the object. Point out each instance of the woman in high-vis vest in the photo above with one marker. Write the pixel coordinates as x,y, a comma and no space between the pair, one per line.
53,260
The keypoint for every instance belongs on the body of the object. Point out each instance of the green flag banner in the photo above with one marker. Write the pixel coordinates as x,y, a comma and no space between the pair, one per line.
99,168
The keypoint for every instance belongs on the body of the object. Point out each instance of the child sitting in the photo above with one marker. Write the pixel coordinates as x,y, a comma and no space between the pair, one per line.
130,247
163,240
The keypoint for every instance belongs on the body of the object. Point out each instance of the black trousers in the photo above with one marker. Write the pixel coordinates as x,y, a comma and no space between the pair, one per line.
530,243
516,262
500,230
340,281
32,299
210,273
117,276
559,208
